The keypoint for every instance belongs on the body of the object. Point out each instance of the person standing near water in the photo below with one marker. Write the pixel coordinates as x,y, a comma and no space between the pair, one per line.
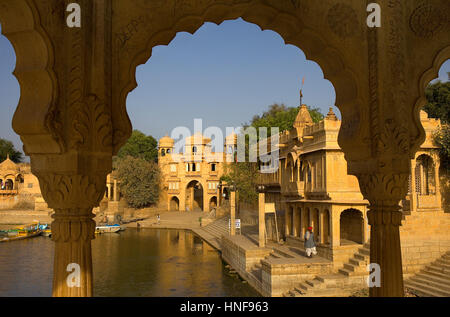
310,244
158,219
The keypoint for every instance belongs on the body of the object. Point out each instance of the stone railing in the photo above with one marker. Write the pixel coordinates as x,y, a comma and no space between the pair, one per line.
293,188
427,201
9,192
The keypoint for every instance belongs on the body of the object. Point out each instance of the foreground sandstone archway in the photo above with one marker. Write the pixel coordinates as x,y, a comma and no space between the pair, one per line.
74,83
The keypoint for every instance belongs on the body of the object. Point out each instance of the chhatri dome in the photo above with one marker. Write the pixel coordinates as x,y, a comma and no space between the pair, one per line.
8,165
166,141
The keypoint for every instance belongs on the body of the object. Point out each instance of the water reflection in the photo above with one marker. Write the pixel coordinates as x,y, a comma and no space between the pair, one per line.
132,263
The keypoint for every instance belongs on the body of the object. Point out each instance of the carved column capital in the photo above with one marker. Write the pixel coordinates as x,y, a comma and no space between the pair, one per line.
383,189
68,227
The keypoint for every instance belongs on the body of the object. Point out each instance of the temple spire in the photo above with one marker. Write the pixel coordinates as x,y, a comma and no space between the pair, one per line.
331,115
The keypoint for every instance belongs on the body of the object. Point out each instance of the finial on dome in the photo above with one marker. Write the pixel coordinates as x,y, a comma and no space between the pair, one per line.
331,115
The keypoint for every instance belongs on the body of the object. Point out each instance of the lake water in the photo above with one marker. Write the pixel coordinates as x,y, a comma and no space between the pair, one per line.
151,263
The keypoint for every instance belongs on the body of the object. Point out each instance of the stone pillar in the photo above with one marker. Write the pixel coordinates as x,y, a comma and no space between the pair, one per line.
232,212
437,182
413,206
191,198
304,221
423,180
261,217
219,196
366,229
115,191
206,201
335,226
287,230
294,222
384,192
108,189
72,197
321,227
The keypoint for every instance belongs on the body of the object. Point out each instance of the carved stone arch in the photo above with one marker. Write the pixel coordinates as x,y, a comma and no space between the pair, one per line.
35,117
288,24
292,158
431,73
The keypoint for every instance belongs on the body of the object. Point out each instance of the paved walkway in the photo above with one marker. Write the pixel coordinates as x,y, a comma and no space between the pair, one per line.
188,220
21,217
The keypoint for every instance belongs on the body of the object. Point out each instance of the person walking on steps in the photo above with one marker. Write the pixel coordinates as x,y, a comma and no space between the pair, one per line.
310,244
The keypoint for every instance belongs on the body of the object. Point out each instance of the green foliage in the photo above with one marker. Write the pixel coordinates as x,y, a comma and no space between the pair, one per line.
282,117
442,139
244,175
438,97
139,180
6,147
438,106
140,145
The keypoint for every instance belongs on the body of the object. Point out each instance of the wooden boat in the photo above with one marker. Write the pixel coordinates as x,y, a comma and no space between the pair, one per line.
47,232
107,229
23,232
21,236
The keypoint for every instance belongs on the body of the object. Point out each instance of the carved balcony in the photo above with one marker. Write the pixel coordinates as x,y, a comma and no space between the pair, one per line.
293,189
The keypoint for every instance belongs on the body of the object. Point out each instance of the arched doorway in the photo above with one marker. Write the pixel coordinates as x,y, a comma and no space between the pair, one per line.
194,196
351,227
174,204
9,184
213,203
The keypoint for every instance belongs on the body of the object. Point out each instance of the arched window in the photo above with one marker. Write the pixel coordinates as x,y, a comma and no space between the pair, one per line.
194,149
309,174
163,152
425,175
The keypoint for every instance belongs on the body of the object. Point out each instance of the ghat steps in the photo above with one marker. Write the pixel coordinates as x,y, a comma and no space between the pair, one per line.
213,232
433,280
349,278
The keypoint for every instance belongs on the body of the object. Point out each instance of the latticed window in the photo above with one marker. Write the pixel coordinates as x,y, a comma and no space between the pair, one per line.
425,176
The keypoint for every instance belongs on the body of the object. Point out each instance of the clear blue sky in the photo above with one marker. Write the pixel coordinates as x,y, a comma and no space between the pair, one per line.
222,74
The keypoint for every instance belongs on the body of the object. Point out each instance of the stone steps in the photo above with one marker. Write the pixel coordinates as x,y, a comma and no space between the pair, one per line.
337,284
434,272
433,280
425,290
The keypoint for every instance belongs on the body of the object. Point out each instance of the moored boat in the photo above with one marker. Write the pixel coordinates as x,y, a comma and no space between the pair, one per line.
47,232
107,229
20,233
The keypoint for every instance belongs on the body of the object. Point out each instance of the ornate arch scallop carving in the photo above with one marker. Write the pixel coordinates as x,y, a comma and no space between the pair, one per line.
35,119
282,17
431,73
429,41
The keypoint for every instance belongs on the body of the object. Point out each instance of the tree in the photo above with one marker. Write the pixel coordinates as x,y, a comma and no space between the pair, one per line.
245,174
438,106
139,180
6,147
140,145
442,140
282,117
438,97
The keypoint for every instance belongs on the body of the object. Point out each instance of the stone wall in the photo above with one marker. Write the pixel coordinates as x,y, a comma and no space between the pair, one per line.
280,275
425,236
